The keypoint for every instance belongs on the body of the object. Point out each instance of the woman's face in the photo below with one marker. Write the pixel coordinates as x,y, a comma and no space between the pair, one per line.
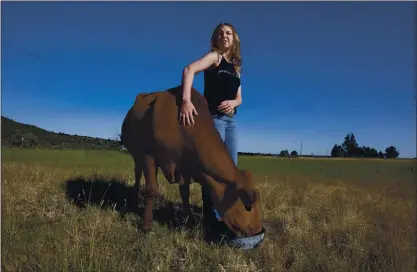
225,38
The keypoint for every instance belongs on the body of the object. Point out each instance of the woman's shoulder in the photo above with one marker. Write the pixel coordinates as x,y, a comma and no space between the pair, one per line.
216,58
214,55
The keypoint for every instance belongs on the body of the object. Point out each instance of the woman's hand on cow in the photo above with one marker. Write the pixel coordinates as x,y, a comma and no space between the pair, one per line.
186,113
226,106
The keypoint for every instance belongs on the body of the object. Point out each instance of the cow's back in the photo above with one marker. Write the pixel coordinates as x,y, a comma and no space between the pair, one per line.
152,126
152,123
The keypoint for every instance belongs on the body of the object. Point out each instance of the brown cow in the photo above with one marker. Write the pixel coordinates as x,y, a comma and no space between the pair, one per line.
154,137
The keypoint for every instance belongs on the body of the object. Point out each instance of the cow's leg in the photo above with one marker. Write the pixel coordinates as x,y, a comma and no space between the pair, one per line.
178,175
151,191
138,176
185,195
208,216
168,169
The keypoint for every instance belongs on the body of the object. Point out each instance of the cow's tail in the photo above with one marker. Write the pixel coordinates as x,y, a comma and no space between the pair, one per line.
134,117
125,129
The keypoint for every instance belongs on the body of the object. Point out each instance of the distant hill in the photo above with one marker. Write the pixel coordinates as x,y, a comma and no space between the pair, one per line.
23,135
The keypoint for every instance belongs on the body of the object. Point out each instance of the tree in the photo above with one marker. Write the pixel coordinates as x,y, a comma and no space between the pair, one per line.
350,145
381,155
30,140
391,152
117,139
373,153
337,151
369,152
284,153
16,139
294,154
360,151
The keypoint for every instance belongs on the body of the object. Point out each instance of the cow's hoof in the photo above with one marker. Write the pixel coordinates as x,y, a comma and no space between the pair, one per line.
145,231
145,227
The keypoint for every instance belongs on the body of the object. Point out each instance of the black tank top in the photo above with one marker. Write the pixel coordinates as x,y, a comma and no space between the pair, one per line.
220,83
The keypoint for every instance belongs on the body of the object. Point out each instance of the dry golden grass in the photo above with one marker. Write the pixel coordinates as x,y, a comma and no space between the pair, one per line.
337,216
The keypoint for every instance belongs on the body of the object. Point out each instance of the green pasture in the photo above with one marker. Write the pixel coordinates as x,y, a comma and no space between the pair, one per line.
319,215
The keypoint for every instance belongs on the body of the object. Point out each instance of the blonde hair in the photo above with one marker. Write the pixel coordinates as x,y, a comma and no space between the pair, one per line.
235,56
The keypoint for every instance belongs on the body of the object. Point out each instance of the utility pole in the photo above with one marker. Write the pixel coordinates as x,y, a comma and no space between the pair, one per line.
301,149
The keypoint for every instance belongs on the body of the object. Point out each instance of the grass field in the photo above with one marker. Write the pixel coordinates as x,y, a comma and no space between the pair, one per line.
319,214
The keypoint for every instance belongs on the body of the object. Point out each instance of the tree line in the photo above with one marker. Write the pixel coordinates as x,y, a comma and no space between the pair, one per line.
15,134
351,148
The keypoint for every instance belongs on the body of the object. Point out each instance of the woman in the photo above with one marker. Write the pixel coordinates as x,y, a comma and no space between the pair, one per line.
222,89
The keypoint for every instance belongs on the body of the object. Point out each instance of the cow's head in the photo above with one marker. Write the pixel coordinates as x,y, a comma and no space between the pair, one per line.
244,215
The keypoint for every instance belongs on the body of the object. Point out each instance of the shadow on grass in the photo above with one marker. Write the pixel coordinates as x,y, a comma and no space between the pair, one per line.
116,194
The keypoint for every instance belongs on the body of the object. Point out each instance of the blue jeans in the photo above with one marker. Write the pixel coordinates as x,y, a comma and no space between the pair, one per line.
226,126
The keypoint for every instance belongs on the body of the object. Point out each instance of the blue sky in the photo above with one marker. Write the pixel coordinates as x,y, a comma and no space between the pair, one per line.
312,72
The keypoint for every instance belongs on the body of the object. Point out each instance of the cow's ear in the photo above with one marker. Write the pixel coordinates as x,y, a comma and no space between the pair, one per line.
247,193
247,174
249,197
